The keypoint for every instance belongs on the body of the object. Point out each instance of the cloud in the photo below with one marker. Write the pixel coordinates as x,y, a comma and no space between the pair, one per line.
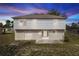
72,11
72,18
9,14
76,16
21,11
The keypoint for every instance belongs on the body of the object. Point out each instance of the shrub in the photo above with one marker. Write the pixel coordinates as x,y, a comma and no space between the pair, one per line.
66,39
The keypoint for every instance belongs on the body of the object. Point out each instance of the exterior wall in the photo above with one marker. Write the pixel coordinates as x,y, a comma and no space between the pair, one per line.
19,35
53,36
57,36
27,35
39,24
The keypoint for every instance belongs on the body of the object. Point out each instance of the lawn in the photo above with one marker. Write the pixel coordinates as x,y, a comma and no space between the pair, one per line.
24,48
6,39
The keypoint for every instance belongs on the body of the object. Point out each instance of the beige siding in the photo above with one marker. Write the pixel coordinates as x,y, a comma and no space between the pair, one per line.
32,35
39,24
19,36
60,35
53,36
56,35
36,35
27,35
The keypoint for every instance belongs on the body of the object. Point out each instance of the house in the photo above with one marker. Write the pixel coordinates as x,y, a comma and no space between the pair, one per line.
0,30
41,28
7,30
1,25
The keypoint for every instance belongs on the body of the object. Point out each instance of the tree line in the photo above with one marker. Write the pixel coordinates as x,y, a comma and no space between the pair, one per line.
73,28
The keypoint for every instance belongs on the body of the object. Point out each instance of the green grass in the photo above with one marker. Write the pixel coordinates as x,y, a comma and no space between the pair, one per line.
24,48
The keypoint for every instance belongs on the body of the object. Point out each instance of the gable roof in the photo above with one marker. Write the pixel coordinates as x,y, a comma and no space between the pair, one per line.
39,17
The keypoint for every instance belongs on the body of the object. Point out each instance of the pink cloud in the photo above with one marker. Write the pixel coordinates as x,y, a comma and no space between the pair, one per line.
25,11
7,14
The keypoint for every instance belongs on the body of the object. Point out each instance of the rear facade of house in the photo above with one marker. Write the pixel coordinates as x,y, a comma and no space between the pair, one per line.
41,28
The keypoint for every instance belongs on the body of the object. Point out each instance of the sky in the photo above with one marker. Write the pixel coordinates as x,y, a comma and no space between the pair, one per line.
8,10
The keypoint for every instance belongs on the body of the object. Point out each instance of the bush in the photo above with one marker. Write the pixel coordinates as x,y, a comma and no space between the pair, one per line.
66,39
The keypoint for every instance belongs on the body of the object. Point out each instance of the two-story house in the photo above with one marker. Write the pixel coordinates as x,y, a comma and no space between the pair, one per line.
41,28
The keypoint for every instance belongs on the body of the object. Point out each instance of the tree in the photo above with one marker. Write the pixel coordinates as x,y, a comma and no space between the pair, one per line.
8,24
68,27
74,26
53,12
1,25
64,14
12,23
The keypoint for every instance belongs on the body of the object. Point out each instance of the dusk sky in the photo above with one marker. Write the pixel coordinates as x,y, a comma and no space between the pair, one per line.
8,10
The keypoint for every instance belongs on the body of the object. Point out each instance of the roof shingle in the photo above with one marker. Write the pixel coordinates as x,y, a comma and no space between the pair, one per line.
39,17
